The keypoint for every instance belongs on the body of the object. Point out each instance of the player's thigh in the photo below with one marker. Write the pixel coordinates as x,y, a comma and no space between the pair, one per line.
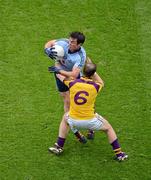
105,124
76,123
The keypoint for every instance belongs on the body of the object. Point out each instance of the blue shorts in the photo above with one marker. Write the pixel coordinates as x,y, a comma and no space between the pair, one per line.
60,85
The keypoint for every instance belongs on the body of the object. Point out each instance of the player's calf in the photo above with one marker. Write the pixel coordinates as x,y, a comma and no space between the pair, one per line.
81,138
90,134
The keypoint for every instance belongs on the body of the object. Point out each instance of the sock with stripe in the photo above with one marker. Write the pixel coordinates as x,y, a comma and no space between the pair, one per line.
78,134
61,142
116,148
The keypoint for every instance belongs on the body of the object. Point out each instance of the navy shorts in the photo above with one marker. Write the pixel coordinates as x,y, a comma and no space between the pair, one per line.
61,86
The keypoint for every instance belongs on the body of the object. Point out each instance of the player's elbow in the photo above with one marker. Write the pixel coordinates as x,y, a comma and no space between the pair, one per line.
50,44
46,45
102,84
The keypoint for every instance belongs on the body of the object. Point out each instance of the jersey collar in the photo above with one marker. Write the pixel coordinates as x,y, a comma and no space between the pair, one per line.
74,51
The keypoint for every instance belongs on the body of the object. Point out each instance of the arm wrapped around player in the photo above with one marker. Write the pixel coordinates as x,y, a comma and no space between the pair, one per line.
54,69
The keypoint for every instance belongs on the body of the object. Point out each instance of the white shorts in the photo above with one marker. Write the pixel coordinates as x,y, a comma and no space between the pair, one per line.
95,123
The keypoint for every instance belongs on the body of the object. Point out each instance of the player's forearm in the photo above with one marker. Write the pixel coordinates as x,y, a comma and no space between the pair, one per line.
69,74
50,43
97,78
61,77
88,60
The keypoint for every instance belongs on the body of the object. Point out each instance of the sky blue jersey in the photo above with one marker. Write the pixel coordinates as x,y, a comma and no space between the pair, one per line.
70,60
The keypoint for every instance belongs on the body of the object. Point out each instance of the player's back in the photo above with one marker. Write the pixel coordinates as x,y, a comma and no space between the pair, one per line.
83,93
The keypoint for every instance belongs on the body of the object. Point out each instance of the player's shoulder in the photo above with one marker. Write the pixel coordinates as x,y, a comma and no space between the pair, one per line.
97,85
63,42
82,48
82,52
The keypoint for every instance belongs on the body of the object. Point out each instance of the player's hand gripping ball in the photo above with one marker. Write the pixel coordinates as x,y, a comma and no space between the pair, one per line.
59,52
55,52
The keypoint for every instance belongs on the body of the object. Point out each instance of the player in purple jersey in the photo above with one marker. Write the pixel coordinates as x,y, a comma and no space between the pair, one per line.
83,93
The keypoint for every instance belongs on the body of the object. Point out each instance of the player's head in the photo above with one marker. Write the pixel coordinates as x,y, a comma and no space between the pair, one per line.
76,39
79,36
89,69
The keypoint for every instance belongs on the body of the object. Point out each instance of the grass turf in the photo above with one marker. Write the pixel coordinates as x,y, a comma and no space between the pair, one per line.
118,40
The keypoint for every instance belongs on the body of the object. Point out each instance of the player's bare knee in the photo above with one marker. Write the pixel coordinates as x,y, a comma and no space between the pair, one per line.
65,116
106,125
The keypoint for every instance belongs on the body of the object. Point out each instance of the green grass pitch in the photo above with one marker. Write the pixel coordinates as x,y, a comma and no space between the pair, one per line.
118,39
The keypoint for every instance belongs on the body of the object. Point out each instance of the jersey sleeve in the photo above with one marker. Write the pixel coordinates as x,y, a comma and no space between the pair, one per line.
100,86
67,82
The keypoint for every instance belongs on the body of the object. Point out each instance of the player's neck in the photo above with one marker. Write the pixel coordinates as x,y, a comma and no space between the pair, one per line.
71,52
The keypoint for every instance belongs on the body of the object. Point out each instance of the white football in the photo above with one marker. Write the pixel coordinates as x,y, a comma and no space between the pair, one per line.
60,51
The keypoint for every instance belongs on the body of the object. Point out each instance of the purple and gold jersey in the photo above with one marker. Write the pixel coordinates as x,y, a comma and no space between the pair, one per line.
83,93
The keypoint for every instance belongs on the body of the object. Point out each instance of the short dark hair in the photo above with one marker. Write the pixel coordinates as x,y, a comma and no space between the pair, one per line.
89,69
79,36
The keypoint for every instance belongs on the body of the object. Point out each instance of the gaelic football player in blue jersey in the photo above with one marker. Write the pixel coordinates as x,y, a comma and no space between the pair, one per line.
81,115
71,64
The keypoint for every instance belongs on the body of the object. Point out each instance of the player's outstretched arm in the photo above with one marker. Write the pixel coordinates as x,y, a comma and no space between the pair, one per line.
97,79
68,74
